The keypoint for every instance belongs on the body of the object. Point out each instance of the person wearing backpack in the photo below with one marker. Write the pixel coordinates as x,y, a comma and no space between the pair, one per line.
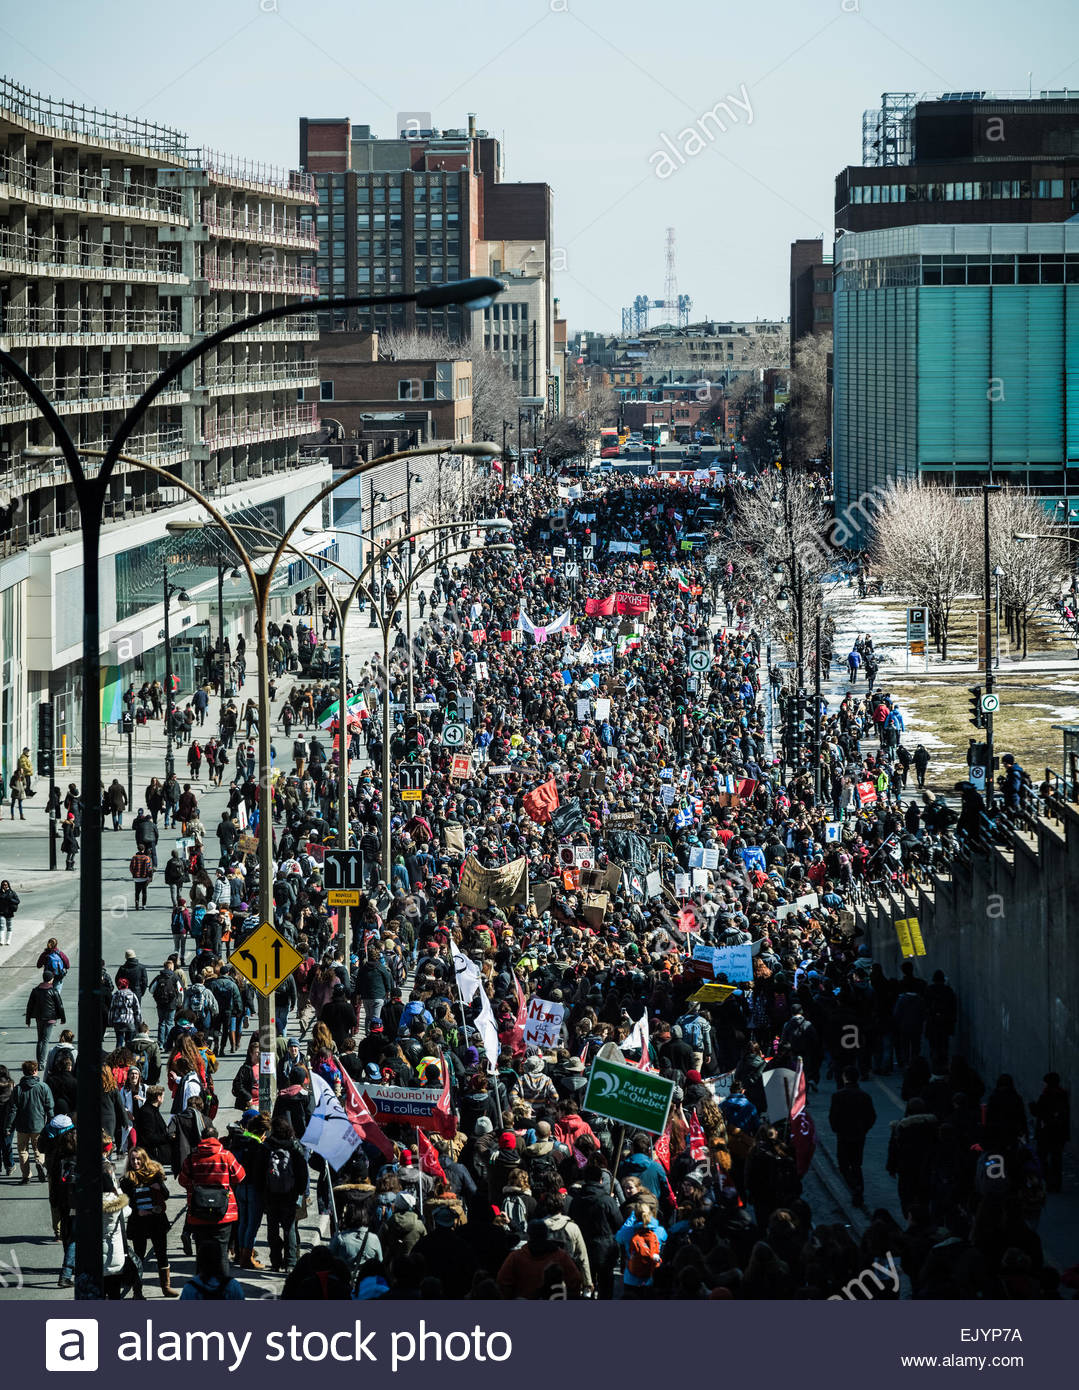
211,1279
208,1175
52,958
167,992
201,1004
125,1013
141,869
284,1184
642,1239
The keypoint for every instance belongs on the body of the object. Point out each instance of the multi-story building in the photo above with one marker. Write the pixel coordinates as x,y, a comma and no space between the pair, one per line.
810,288
955,361
711,352
120,246
424,207
959,157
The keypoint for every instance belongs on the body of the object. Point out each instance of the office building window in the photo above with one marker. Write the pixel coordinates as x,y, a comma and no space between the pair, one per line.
395,194
338,224
437,272
323,246
322,222
325,390
378,195
322,274
339,249
453,193
363,193
338,193
363,221
380,274
405,389
419,221
363,274
363,250
419,193
395,222
339,275
419,247
420,272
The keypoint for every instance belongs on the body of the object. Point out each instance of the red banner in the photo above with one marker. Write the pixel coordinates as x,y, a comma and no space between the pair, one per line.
541,801
632,604
867,792
599,607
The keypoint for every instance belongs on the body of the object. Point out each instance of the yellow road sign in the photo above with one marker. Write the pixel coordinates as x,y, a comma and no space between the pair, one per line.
412,794
343,897
265,959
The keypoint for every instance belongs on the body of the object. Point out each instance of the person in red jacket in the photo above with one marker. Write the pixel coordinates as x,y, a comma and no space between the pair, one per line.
208,1175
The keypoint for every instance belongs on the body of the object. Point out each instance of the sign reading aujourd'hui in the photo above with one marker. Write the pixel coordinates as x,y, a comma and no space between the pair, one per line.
638,1099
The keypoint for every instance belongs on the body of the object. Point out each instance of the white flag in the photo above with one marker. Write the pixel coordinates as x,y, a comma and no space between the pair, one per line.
330,1132
485,1022
468,974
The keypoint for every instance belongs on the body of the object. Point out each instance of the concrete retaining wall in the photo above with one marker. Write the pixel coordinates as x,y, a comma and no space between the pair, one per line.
1005,930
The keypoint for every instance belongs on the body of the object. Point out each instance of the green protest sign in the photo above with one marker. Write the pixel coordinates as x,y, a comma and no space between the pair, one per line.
638,1099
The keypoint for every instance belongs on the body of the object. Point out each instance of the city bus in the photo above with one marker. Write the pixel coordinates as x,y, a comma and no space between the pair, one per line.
608,444
657,434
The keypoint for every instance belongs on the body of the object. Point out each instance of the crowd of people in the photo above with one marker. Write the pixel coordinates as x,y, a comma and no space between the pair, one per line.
615,816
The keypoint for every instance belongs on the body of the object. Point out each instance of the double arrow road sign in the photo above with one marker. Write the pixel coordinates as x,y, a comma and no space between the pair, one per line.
266,959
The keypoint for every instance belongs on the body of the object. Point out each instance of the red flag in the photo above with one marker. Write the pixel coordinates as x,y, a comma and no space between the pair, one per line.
359,1112
698,1144
798,1103
428,1156
517,1035
599,607
541,801
661,1149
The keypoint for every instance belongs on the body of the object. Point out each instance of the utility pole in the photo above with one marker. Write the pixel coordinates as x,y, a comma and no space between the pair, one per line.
987,488
170,762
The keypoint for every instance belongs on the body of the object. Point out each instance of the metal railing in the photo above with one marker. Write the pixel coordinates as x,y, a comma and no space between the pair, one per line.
296,326
93,124
228,431
30,319
86,186
270,177
231,223
229,273
102,255
84,390
239,375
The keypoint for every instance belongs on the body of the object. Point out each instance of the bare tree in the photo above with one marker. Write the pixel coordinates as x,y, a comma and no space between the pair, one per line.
494,393
923,545
1033,569
778,544
807,413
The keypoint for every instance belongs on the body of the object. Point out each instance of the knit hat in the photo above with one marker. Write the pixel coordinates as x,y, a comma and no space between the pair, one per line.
507,1139
693,1075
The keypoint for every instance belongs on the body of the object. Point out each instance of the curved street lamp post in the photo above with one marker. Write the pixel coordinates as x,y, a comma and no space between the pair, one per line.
90,492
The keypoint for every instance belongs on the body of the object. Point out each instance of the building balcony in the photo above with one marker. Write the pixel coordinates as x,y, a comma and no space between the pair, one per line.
36,325
238,377
256,177
24,181
254,427
76,395
258,277
297,328
87,125
228,224
52,257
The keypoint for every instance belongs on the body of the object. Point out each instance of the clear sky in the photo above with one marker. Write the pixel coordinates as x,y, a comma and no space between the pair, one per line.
582,93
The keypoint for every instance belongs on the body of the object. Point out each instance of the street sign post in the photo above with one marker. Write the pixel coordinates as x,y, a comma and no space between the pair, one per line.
917,635
990,703
411,782
638,1099
265,959
700,661
342,876
453,735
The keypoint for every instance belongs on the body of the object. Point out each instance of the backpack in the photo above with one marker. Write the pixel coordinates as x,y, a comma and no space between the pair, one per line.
280,1179
121,1010
165,992
643,1258
54,962
515,1212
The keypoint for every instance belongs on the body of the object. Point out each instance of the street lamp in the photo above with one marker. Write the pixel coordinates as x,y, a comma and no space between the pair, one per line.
169,591
90,492
998,575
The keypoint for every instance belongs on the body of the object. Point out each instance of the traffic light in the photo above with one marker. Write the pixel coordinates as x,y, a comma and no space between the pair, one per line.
452,703
976,717
412,739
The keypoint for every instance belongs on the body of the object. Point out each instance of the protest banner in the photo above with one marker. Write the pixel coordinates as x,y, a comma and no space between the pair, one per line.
503,886
543,1023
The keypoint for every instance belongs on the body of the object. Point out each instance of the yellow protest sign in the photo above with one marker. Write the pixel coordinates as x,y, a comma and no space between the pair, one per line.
915,930
902,931
713,993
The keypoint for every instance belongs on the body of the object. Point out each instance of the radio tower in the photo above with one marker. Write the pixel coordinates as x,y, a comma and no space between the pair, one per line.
670,283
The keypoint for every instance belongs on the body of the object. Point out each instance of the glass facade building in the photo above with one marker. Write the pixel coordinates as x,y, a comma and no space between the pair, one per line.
956,358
